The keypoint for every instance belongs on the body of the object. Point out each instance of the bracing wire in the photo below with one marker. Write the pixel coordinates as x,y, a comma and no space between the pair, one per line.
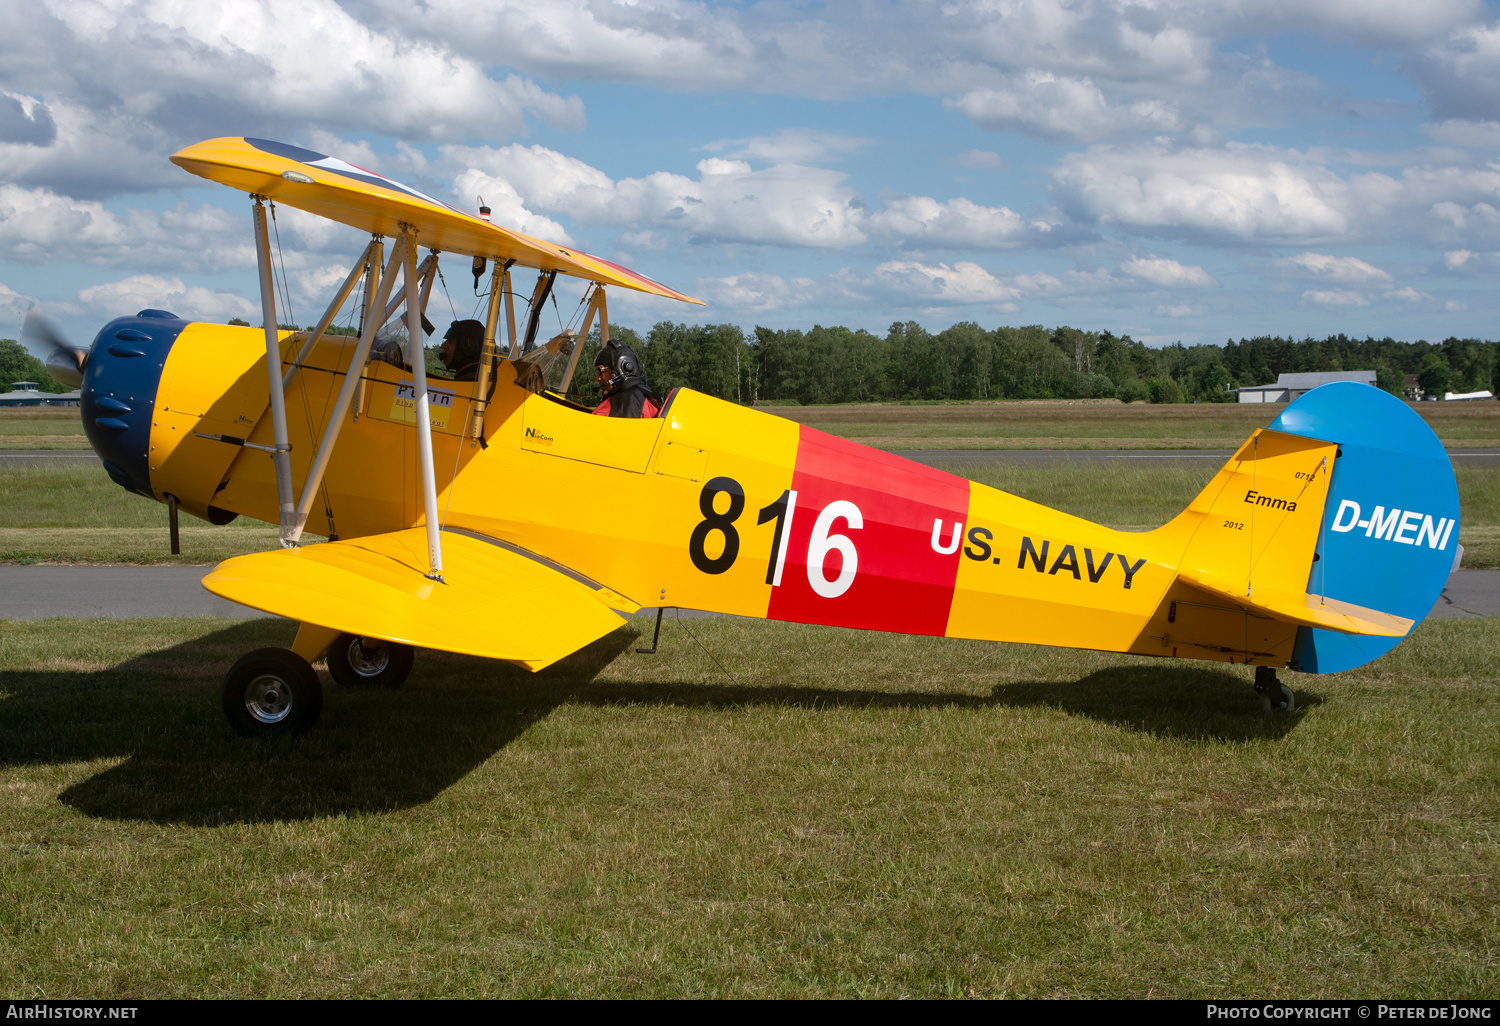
453,477
358,296
286,295
577,316
444,283
706,652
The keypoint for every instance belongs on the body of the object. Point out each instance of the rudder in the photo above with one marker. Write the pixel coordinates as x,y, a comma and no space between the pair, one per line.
1391,521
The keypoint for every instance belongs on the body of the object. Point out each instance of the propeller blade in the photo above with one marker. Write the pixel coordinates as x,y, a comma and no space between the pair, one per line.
64,361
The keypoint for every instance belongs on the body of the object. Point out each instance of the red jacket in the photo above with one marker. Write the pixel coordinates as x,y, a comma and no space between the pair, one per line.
648,411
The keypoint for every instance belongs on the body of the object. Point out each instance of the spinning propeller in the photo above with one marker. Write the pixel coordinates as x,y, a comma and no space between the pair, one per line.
64,361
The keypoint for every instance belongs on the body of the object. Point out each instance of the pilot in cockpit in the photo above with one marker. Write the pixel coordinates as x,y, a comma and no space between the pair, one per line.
462,345
617,369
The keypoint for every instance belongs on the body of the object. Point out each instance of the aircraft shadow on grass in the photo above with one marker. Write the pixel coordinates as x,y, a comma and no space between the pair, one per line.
379,751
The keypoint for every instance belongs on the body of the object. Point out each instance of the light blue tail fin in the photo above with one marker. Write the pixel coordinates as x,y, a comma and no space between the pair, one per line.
1390,527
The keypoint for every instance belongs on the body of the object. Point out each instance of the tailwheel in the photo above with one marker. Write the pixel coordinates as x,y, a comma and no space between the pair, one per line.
359,662
272,691
1274,695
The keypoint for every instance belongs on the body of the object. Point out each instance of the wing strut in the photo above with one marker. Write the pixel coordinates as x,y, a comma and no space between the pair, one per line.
499,280
596,304
290,527
418,360
353,377
330,313
426,271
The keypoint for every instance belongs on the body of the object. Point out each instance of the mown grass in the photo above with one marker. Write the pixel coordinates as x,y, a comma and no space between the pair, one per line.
42,428
760,810
1053,424
1094,424
71,512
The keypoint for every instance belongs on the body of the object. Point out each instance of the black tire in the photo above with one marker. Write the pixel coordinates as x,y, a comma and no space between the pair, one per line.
358,662
272,691
1280,700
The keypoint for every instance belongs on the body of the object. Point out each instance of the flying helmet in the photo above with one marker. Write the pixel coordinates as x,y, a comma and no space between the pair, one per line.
621,360
468,342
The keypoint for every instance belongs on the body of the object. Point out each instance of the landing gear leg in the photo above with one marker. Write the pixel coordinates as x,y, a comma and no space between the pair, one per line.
1274,695
655,637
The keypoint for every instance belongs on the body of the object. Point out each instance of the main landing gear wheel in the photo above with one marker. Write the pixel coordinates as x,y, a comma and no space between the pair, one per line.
272,691
1274,695
357,662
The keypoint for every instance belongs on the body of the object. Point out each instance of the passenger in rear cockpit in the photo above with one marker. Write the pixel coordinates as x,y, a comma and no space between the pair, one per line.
617,369
462,344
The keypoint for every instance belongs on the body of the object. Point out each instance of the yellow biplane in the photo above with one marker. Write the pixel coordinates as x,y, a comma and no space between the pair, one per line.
450,505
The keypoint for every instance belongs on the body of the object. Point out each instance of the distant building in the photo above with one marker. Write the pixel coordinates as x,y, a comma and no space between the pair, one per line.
24,393
1290,386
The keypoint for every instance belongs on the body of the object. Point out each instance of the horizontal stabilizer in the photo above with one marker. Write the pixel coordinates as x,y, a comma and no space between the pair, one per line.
495,600
1301,608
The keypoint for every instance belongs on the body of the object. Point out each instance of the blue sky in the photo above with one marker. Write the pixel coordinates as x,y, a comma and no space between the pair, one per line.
1174,171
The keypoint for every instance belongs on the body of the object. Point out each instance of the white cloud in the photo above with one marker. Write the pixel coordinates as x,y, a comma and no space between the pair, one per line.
962,283
757,292
1459,75
791,146
1408,295
1180,310
1335,297
38,226
13,306
140,291
1239,192
784,205
958,223
126,84
1455,305
506,206
665,42
1167,273
1374,22
1456,258
730,202
1257,194
1347,270
1059,108
1483,135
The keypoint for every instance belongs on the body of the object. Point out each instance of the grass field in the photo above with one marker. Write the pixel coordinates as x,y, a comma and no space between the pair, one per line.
760,810
1081,424
1094,424
42,428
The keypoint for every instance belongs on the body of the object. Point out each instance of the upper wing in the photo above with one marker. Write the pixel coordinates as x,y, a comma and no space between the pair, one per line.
495,600
331,188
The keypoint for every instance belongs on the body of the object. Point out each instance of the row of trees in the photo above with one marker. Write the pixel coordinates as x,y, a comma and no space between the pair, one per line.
16,364
965,361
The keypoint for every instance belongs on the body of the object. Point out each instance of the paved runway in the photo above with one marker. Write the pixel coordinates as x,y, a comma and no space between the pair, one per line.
37,592
15,456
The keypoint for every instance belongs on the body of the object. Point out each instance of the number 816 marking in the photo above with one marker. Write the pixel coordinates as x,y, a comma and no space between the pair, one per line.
781,511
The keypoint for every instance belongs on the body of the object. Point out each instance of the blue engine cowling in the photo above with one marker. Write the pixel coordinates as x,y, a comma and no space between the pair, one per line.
118,394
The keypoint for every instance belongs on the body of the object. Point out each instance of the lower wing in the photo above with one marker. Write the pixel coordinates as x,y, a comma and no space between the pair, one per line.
496,600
